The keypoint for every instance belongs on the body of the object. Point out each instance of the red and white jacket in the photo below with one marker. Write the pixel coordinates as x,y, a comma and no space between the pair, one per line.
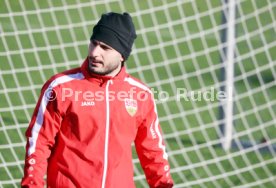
82,130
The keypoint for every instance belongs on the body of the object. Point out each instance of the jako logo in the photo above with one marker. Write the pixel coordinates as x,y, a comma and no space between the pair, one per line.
87,103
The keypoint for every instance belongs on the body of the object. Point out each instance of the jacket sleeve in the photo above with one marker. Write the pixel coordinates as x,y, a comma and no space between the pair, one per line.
40,136
151,149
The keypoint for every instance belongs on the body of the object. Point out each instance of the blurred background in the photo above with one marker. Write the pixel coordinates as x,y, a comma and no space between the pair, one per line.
197,48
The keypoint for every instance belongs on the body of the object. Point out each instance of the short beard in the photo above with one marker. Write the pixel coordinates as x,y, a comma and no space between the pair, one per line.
101,71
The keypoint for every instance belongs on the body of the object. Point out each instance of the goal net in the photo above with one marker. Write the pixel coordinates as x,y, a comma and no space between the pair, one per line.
210,63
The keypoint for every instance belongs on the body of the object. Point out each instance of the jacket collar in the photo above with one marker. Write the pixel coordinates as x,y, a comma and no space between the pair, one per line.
100,79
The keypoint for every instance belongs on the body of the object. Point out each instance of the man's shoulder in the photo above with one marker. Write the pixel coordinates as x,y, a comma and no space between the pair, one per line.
63,77
135,82
71,73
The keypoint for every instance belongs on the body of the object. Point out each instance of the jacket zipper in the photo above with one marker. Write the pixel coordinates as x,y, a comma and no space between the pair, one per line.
106,134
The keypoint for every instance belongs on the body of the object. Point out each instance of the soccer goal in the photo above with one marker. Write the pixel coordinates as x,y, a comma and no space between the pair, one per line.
210,63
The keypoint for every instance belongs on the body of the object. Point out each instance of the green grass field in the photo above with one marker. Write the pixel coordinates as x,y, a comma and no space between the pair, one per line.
28,60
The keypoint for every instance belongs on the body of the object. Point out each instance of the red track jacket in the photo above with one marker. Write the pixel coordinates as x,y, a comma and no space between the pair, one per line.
82,130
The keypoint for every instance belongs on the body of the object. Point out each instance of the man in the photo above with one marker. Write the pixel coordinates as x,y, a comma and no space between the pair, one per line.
87,118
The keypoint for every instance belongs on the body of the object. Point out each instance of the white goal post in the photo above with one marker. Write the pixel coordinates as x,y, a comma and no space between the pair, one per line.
210,63
229,71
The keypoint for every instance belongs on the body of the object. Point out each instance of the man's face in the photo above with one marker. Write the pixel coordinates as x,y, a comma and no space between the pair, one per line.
103,59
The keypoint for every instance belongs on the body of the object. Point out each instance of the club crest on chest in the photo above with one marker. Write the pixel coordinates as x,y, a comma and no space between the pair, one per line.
131,106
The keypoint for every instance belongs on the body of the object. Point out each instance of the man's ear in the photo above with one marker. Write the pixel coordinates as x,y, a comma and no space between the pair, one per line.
122,59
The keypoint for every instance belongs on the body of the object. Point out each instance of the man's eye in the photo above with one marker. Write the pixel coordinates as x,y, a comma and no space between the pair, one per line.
105,47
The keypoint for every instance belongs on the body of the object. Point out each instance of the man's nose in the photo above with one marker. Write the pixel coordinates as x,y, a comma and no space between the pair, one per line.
95,51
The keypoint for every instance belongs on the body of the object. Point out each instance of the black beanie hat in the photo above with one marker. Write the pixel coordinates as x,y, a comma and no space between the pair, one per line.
117,31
